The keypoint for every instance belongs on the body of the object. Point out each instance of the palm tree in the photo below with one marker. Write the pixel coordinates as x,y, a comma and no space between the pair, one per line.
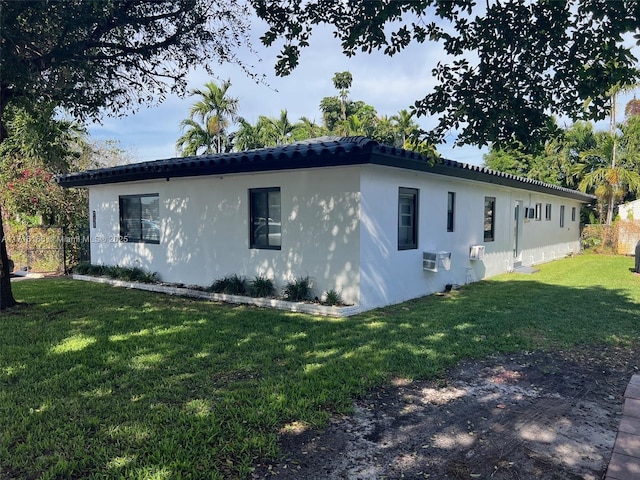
609,180
404,124
306,128
282,129
196,139
351,126
248,136
209,120
342,83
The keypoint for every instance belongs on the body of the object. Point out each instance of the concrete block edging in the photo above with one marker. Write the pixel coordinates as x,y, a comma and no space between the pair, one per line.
296,307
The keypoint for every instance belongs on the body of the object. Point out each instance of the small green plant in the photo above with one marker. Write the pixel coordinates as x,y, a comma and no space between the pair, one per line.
299,289
129,274
262,287
333,297
231,285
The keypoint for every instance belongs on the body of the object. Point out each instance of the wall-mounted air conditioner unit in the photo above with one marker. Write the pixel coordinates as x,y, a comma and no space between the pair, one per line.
436,261
476,252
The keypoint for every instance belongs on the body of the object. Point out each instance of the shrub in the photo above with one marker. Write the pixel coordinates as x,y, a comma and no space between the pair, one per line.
262,287
130,274
299,290
231,285
332,297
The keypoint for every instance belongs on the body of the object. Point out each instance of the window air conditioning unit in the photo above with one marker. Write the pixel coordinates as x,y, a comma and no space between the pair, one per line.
476,252
436,261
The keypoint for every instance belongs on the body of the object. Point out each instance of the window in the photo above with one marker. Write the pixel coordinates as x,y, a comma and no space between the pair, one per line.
489,218
573,214
547,211
93,219
451,205
561,216
264,218
538,211
407,218
140,218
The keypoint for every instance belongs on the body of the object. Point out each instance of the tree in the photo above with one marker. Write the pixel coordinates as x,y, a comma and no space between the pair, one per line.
91,58
512,64
342,83
609,180
405,125
40,146
248,136
306,128
280,131
632,108
207,128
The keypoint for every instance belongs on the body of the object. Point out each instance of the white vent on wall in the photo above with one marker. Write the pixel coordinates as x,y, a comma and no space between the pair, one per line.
476,252
436,261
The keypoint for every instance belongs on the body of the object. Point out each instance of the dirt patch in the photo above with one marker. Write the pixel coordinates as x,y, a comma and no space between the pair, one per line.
529,415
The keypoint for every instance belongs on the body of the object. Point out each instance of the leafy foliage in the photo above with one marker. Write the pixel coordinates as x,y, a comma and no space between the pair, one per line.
298,290
231,285
207,128
129,274
511,64
262,286
89,56
40,146
333,297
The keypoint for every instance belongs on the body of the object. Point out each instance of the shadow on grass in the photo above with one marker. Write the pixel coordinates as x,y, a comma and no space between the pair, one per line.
101,381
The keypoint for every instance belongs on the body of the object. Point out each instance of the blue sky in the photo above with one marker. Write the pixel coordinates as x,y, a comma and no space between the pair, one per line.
388,83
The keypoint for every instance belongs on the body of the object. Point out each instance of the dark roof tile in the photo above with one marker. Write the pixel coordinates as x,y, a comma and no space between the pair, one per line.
317,152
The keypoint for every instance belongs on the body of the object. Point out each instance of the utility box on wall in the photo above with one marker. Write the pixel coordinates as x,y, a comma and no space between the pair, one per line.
476,252
436,261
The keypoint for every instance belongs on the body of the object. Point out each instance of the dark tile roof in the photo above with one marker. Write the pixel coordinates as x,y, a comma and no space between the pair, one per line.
317,152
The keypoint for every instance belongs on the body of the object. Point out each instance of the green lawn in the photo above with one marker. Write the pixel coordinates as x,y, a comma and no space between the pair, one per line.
103,382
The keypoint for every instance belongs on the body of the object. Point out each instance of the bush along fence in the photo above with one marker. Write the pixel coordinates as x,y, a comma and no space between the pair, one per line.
621,237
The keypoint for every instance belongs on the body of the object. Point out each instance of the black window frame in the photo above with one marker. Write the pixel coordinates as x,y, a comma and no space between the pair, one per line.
270,219
573,214
547,211
451,211
561,216
412,237
489,219
128,234
538,212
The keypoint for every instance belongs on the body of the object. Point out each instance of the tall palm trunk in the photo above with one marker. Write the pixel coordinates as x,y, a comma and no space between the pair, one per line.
6,295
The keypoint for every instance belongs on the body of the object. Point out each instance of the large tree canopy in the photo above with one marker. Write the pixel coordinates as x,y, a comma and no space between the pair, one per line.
90,57
512,64
86,56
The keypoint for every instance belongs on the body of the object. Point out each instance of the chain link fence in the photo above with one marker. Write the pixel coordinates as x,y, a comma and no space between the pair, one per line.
51,250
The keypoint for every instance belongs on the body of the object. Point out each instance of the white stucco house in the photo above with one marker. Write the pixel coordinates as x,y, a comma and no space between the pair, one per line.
379,224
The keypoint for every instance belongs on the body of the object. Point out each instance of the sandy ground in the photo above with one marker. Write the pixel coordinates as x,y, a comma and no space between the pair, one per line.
531,415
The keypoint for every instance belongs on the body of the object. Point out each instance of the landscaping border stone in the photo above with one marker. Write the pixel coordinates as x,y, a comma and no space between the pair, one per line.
296,307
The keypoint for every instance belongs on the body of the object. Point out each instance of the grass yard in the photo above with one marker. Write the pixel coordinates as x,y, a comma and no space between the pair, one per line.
103,382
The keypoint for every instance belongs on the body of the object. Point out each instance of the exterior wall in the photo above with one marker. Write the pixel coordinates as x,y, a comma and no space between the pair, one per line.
205,229
389,275
629,211
339,226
